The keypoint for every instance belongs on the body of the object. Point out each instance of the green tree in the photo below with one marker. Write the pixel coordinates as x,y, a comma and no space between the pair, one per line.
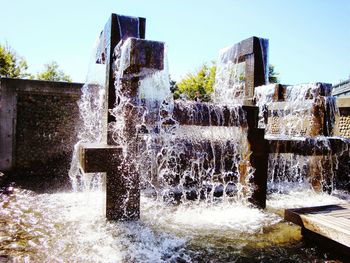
203,82
273,75
52,72
199,84
11,64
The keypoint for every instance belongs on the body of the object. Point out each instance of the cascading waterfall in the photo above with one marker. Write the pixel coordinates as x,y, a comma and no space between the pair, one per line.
172,160
305,116
91,108
230,78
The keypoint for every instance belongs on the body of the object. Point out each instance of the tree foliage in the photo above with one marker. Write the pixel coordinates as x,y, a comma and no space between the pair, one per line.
52,72
273,75
200,84
12,65
203,82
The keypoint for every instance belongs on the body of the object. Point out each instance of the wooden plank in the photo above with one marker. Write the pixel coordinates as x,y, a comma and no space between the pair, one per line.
331,221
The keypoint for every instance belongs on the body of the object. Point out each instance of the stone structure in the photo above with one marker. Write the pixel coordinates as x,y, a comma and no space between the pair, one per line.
342,129
122,179
308,116
37,131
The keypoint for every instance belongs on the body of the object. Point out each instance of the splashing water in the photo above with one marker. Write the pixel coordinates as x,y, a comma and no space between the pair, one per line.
93,116
230,78
71,227
304,117
172,160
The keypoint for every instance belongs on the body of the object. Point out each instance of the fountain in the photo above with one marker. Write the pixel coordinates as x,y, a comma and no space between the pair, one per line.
299,122
184,180
138,121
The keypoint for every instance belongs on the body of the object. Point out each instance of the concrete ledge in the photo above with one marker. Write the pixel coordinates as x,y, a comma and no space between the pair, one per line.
42,87
208,114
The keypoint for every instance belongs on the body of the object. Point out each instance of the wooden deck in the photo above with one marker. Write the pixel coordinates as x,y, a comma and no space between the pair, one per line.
331,221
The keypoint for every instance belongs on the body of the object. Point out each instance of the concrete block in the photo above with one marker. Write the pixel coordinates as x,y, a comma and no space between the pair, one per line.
145,56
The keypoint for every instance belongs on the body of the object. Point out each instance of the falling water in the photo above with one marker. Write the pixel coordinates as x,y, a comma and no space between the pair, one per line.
303,114
172,160
230,78
93,116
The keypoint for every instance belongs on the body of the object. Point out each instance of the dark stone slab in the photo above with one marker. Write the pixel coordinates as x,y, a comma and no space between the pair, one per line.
123,193
116,29
97,158
259,161
307,146
208,114
122,180
319,89
145,55
235,173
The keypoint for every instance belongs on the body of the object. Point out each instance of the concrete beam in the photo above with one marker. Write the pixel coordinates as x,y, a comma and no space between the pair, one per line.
122,181
98,158
145,56
8,120
208,114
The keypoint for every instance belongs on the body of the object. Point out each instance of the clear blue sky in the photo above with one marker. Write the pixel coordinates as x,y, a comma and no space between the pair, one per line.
309,39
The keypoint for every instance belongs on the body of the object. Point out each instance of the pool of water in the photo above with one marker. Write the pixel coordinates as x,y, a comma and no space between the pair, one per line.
70,227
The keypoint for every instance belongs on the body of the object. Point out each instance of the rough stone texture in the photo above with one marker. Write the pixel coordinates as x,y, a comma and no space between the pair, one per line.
342,123
122,182
342,128
44,116
313,120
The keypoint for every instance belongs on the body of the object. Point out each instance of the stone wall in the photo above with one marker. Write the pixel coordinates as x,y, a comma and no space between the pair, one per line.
342,124
39,121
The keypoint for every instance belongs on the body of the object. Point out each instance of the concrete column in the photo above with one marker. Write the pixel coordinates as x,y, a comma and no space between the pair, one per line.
8,117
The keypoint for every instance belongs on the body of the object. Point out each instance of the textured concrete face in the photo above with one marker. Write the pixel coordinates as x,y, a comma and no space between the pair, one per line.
38,121
309,116
122,181
7,126
308,123
342,122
